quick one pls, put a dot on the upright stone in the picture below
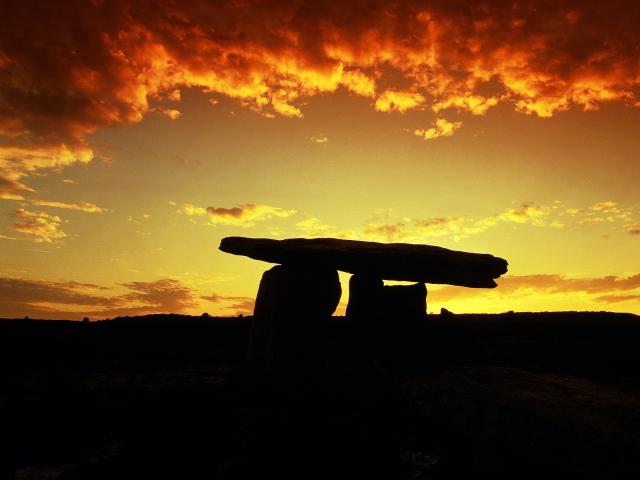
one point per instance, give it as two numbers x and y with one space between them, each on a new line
369 298
292 306
365 294
385 317
408 302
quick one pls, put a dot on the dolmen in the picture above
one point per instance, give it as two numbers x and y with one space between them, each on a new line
297 296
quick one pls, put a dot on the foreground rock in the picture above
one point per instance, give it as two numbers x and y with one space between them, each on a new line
511 420
291 309
387 261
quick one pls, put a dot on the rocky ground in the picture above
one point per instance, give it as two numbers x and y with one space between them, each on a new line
171 397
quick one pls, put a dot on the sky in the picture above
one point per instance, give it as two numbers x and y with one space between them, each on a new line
134 136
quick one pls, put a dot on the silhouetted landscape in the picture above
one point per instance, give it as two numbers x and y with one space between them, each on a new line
172 396
276 163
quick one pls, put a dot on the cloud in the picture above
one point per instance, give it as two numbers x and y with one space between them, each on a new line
74 300
41 226
525 213
415 229
551 284
110 63
138 219
618 298
320 139
239 305
601 212
391 100
22 297
441 128
312 227
382 228
633 229
10 196
475 104
81 206
192 210
161 296
172 113
18 161
245 215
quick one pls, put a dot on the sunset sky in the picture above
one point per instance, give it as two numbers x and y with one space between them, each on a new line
135 135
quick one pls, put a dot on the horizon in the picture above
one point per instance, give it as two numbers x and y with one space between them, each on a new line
134 137
207 316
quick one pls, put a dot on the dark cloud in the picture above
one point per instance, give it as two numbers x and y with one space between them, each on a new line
235 212
73 300
618 298
245 215
242 305
70 68
165 295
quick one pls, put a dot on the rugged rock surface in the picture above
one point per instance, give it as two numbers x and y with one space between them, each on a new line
388 261
292 306
506 419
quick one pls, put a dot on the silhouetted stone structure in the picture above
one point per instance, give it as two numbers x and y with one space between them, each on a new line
291 305
385 317
388 261
297 295
369 298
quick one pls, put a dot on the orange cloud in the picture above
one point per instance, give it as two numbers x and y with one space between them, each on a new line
476 104
245 215
81 206
73 300
192 210
18 161
604 287
239 305
618 298
312 227
10 196
383 227
633 229
109 63
441 128
418 230
160 296
41 226
602 212
320 139
391 100
172 113
525 213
